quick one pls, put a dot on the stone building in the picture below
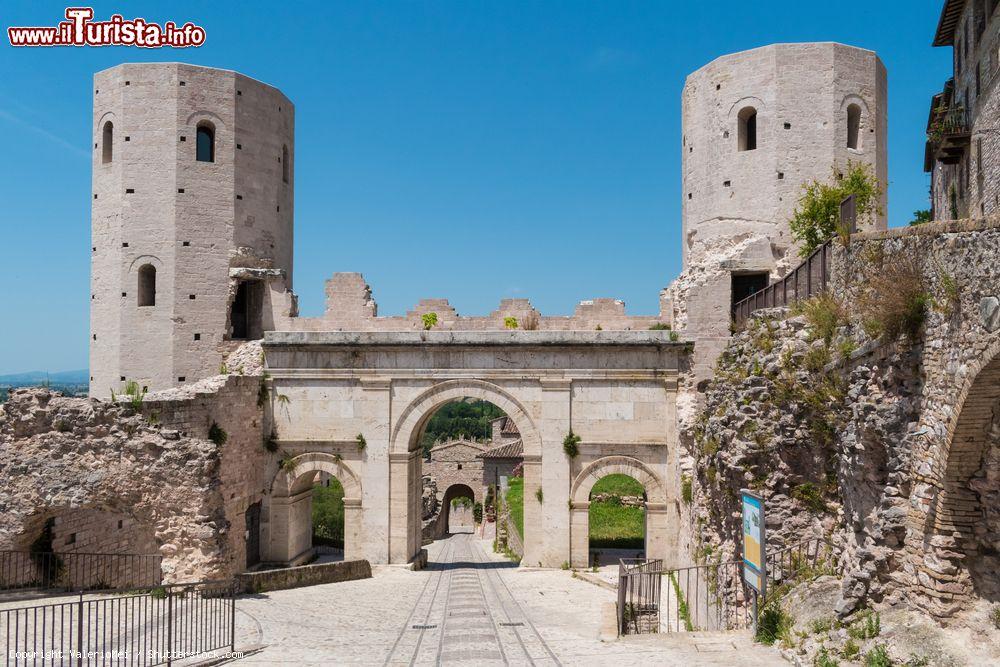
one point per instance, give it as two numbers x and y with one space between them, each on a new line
191 220
963 126
504 455
455 471
757 126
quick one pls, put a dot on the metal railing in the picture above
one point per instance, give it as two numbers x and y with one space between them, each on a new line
805 281
77 571
652 599
153 627
949 122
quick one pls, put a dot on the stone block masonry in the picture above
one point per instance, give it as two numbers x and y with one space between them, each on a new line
261 581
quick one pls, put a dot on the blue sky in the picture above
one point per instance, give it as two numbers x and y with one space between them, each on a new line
466 150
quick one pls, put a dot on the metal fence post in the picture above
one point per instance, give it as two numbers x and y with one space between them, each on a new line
79 631
232 618
170 626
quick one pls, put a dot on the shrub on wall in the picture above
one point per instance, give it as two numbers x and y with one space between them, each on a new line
817 216
571 444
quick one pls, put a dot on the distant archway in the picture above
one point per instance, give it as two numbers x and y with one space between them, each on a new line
458 516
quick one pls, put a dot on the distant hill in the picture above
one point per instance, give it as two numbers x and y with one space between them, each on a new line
33 378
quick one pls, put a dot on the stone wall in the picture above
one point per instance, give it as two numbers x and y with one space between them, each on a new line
90 464
306 575
882 445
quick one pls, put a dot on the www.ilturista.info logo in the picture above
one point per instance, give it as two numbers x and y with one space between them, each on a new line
80 30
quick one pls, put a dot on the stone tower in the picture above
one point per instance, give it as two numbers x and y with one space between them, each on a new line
191 220
757 126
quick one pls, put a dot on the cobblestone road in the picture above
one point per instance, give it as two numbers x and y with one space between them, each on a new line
468 608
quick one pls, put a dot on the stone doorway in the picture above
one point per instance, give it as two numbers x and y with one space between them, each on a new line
252 518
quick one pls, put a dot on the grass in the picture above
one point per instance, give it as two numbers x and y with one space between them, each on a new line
328 514
515 500
613 525
774 625
683 612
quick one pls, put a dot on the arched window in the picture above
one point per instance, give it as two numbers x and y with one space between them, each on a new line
747 129
284 163
853 126
147 285
205 150
107 142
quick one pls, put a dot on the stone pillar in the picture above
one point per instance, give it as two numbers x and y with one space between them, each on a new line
404 507
556 473
375 406
580 535
658 534
533 537
353 534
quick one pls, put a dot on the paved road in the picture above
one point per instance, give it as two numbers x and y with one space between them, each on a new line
470 607
466 614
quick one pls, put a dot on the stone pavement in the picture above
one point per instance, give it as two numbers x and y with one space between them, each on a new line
470 607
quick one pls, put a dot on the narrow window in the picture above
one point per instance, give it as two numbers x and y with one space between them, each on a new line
206 143
147 285
107 143
245 312
747 129
853 125
284 163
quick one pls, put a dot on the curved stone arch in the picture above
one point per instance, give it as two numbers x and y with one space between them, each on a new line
106 116
196 117
419 410
623 465
142 260
285 481
747 101
854 98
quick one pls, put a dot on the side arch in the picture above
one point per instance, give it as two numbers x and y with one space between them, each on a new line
289 508
622 465
415 415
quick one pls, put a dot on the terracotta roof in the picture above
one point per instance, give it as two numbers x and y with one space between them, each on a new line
506 425
510 450
458 441
950 14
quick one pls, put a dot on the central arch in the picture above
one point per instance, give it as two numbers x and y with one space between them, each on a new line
405 461
289 507
656 505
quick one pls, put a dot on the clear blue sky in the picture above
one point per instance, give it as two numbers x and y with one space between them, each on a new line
467 150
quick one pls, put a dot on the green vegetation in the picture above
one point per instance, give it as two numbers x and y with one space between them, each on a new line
687 493
920 217
362 443
429 320
810 495
571 444
850 650
817 216
510 322
867 626
683 612
774 625
660 326
515 501
823 659
612 524
217 435
878 657
328 514
995 616
896 298
460 419
825 313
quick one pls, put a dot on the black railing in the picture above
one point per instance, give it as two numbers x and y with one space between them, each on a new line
805 281
77 571
159 626
703 597
949 122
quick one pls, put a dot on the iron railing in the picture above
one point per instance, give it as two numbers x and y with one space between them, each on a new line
702 597
77 571
949 122
805 281
158 626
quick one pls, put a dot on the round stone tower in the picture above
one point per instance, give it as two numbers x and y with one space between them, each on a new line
757 126
191 220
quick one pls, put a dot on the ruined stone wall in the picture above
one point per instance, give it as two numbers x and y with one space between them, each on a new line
351 307
90 464
884 446
193 221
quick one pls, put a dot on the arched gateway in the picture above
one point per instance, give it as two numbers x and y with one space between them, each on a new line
363 400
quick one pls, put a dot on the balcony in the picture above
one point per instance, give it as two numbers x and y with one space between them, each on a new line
949 133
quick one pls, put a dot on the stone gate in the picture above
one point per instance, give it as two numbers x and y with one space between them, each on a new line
355 405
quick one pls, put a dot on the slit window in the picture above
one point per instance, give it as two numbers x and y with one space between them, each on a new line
853 126
205 143
147 285
284 163
747 135
107 142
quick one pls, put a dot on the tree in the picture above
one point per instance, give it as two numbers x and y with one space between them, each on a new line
920 217
817 217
